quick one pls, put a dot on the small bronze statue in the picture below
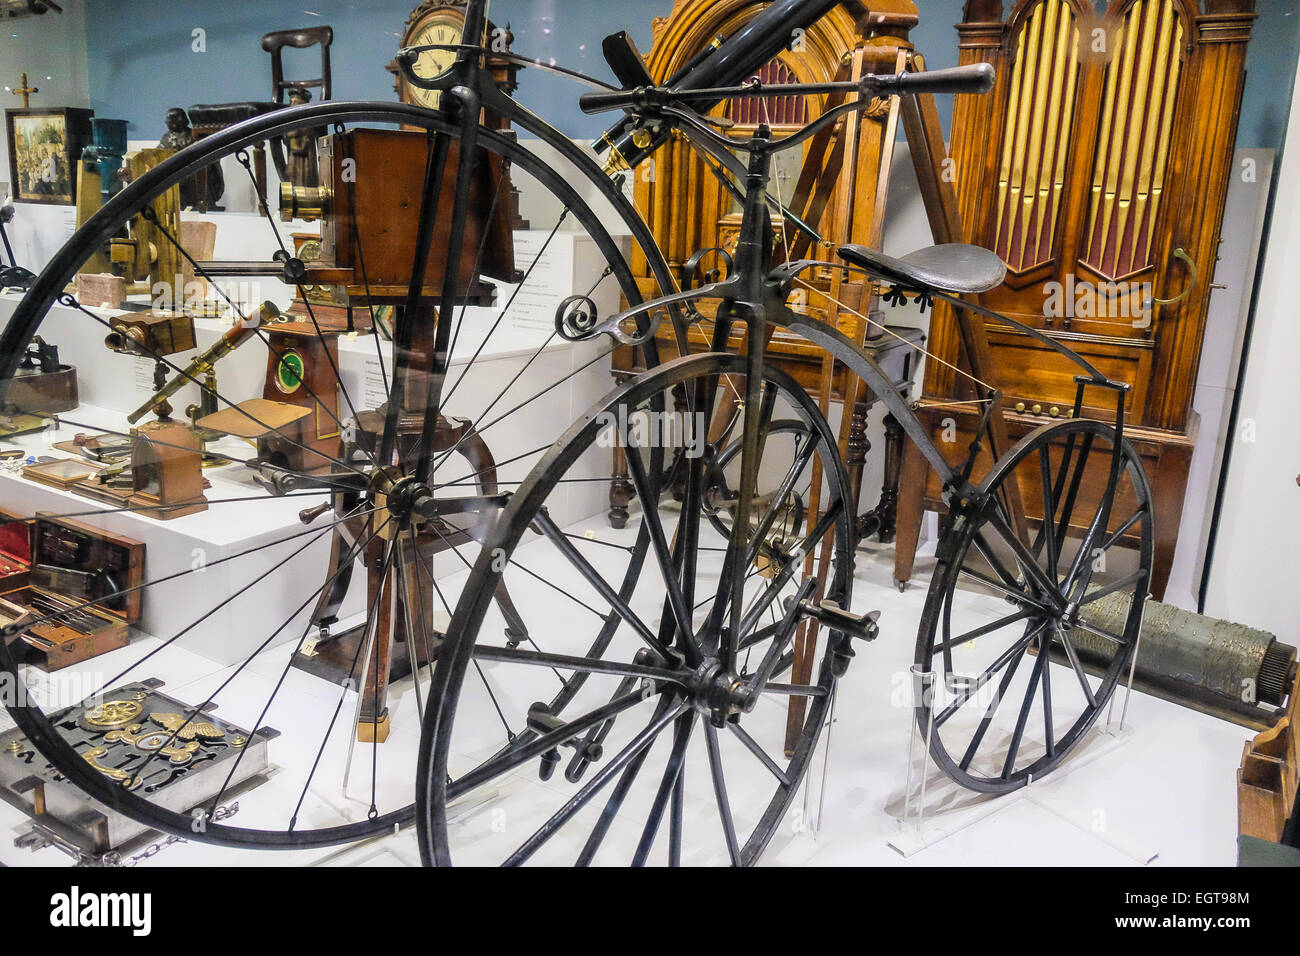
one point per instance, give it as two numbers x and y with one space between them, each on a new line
301 144
178 136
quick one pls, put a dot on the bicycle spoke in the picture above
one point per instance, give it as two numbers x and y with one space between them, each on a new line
615 802
507 655
1013 749
1044 651
1049 513
1117 585
592 576
663 554
757 750
983 629
1123 528
522 752
363 647
261 717
195 711
978 737
669 786
579 800
1077 666
206 615
973 686
720 793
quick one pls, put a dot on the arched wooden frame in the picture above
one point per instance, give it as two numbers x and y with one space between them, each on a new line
676 192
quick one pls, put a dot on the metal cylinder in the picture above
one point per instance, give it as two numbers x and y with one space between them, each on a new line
1224 669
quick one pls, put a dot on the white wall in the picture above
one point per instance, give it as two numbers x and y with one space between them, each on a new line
1255 579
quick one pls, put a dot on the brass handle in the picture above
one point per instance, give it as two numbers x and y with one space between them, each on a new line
1179 253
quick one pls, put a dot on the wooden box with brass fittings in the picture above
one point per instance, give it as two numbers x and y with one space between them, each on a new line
166 470
78 593
151 333
15 551
368 211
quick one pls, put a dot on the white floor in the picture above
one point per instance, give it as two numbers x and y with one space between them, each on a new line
1165 789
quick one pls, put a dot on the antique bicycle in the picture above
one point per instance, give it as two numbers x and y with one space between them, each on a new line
695 609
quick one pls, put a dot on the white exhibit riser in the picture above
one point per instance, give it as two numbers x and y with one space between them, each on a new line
111 385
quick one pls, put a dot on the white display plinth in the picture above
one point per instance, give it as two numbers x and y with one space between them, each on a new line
111 385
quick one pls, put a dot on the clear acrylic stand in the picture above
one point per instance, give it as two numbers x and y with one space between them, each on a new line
956 809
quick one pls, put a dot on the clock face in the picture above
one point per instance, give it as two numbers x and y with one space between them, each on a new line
443 28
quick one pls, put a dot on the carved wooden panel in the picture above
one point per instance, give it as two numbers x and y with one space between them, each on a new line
773 110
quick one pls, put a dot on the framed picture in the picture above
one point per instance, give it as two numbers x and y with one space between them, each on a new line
44 148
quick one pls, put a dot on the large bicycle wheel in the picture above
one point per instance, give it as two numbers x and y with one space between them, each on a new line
446 405
1004 606
659 684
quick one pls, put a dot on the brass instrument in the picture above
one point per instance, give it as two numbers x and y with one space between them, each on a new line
204 363
151 334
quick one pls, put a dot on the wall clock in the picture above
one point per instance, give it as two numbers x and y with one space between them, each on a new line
434 21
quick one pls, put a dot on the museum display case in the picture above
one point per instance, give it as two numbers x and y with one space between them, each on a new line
478 433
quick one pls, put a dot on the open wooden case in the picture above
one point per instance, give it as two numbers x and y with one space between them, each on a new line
15 552
70 564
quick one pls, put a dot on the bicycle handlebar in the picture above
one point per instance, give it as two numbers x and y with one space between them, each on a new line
973 78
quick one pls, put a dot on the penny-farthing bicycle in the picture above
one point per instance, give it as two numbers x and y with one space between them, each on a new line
676 746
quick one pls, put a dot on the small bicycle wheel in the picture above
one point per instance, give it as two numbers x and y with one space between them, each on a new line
1002 605
640 662
250 620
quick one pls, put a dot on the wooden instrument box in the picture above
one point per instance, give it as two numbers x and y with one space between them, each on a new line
15 552
166 471
300 370
372 200
73 563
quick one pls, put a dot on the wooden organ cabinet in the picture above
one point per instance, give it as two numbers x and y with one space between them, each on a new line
1097 169
835 183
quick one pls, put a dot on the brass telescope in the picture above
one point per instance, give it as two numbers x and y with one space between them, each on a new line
203 364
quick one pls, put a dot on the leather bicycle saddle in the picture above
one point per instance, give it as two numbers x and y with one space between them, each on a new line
953 267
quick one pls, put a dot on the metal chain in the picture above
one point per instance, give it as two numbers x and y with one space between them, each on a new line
153 849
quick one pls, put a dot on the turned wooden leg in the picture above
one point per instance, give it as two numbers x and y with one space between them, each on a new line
855 454
259 171
372 722
911 507
1168 488
621 491
887 508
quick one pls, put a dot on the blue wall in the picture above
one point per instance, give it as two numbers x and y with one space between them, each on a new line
141 61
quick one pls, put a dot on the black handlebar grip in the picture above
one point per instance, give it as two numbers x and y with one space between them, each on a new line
973 78
601 102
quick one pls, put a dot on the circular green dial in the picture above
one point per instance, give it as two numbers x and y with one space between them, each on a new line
289 373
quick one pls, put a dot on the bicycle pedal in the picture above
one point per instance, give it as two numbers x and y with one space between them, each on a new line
829 613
